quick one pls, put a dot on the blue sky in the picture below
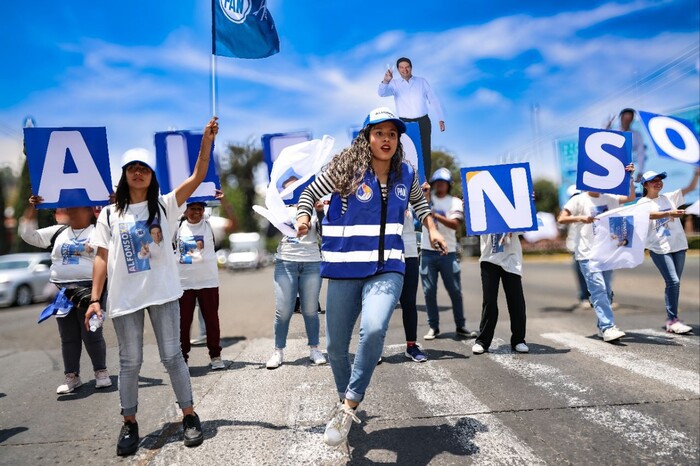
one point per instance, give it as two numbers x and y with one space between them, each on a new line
140 67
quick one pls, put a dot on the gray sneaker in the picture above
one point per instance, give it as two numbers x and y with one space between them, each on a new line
72 382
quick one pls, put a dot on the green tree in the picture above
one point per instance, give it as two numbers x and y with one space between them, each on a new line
238 164
45 217
546 196
4 239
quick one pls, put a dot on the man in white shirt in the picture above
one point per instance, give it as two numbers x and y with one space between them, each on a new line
448 213
639 155
412 97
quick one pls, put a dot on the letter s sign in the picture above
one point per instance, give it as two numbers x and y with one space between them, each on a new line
602 158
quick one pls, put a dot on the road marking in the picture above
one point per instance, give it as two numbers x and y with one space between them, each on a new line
623 358
482 435
666 337
637 428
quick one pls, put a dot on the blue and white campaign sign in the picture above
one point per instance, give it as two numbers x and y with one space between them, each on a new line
176 156
602 157
412 148
69 167
498 199
272 145
673 137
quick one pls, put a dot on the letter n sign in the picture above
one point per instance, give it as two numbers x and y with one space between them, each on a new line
602 158
498 199
68 167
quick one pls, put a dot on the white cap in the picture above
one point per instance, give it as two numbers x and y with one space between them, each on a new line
650 175
381 114
139 154
572 191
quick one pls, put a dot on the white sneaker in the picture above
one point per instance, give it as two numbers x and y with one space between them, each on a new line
217 363
200 340
275 360
102 379
339 422
432 333
317 357
584 304
611 334
72 382
521 348
676 326
478 349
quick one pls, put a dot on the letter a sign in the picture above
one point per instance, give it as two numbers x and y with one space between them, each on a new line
498 199
68 167
602 158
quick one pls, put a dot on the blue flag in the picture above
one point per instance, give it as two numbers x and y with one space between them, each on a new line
243 29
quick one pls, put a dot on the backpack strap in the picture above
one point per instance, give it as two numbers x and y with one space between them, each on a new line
55 235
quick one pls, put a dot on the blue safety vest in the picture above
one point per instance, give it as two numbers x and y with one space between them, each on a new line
366 240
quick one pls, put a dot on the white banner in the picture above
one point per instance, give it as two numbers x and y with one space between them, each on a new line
295 166
619 238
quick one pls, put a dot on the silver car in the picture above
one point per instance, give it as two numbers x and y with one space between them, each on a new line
23 277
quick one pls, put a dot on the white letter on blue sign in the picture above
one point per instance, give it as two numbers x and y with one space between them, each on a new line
658 128
594 151
517 215
179 165
87 177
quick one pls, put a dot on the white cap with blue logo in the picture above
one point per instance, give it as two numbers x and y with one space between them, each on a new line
441 174
381 114
650 175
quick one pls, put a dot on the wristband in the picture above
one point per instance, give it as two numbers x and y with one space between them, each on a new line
93 301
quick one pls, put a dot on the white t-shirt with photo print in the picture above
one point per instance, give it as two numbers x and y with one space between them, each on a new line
503 250
666 235
586 205
72 255
141 264
452 208
196 257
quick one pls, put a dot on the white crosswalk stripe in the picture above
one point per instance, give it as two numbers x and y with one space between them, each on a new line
638 429
625 358
665 337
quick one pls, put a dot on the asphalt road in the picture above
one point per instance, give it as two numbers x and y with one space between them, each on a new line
573 399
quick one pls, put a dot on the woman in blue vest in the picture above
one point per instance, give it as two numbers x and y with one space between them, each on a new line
362 252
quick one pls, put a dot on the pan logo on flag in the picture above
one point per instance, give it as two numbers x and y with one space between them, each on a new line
364 193
401 191
236 10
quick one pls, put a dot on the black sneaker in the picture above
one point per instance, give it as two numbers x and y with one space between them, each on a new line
463 332
192 430
128 441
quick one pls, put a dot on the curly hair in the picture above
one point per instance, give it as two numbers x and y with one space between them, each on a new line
348 169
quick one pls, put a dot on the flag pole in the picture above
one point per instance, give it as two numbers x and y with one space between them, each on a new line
213 84
213 58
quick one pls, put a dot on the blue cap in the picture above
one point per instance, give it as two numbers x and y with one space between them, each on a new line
441 174
381 114
650 175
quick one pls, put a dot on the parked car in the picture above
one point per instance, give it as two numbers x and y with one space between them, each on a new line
23 277
246 251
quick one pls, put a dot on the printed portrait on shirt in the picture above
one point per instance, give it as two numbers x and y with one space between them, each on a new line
661 225
72 249
622 231
141 243
497 243
191 249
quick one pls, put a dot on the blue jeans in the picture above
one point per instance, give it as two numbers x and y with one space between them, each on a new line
583 294
432 263
374 299
304 279
671 267
598 284
165 319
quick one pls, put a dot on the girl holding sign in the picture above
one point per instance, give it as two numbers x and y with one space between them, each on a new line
136 284
362 252
72 256
666 240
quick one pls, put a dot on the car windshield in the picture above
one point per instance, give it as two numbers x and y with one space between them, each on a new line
13 265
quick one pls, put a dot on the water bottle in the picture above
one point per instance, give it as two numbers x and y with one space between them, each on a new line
95 322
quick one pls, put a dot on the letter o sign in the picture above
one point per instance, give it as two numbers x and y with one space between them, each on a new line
673 137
